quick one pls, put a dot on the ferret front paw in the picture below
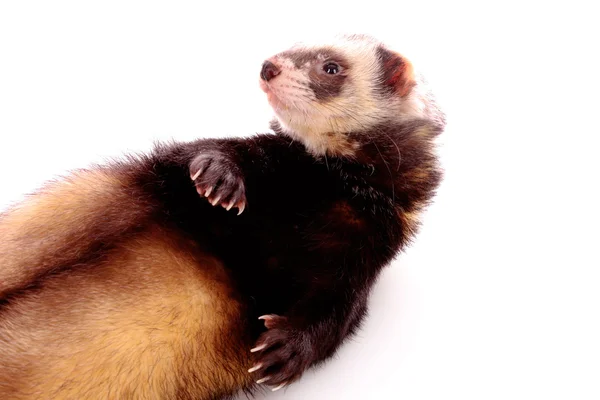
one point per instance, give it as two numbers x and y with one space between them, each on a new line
282 353
218 179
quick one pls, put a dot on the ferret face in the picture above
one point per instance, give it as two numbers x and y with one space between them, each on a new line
322 94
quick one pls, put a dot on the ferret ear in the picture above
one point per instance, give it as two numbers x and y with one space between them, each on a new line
398 73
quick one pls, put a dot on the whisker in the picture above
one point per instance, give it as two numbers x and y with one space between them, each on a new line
303 88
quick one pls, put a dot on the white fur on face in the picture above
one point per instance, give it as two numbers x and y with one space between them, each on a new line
323 125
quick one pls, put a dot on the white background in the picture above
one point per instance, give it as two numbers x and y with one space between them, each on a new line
498 298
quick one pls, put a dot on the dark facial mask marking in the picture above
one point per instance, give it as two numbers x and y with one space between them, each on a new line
324 86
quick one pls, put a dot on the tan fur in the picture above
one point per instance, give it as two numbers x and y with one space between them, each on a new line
154 309
146 314
410 220
52 227
332 144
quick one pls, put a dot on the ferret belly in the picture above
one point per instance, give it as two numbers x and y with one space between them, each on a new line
155 318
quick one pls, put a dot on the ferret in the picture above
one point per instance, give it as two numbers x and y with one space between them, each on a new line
208 268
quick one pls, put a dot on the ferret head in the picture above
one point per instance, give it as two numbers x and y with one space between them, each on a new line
322 94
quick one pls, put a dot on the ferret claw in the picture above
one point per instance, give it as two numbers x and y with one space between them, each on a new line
258 348
218 180
241 208
255 368
263 380
270 320
278 387
197 174
267 319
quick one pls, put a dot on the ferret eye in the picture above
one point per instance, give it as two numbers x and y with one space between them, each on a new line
331 68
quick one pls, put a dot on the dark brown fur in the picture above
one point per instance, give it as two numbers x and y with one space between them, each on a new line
302 56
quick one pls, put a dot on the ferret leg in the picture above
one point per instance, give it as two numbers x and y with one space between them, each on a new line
311 332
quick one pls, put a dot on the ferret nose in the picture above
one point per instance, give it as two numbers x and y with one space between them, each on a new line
269 71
